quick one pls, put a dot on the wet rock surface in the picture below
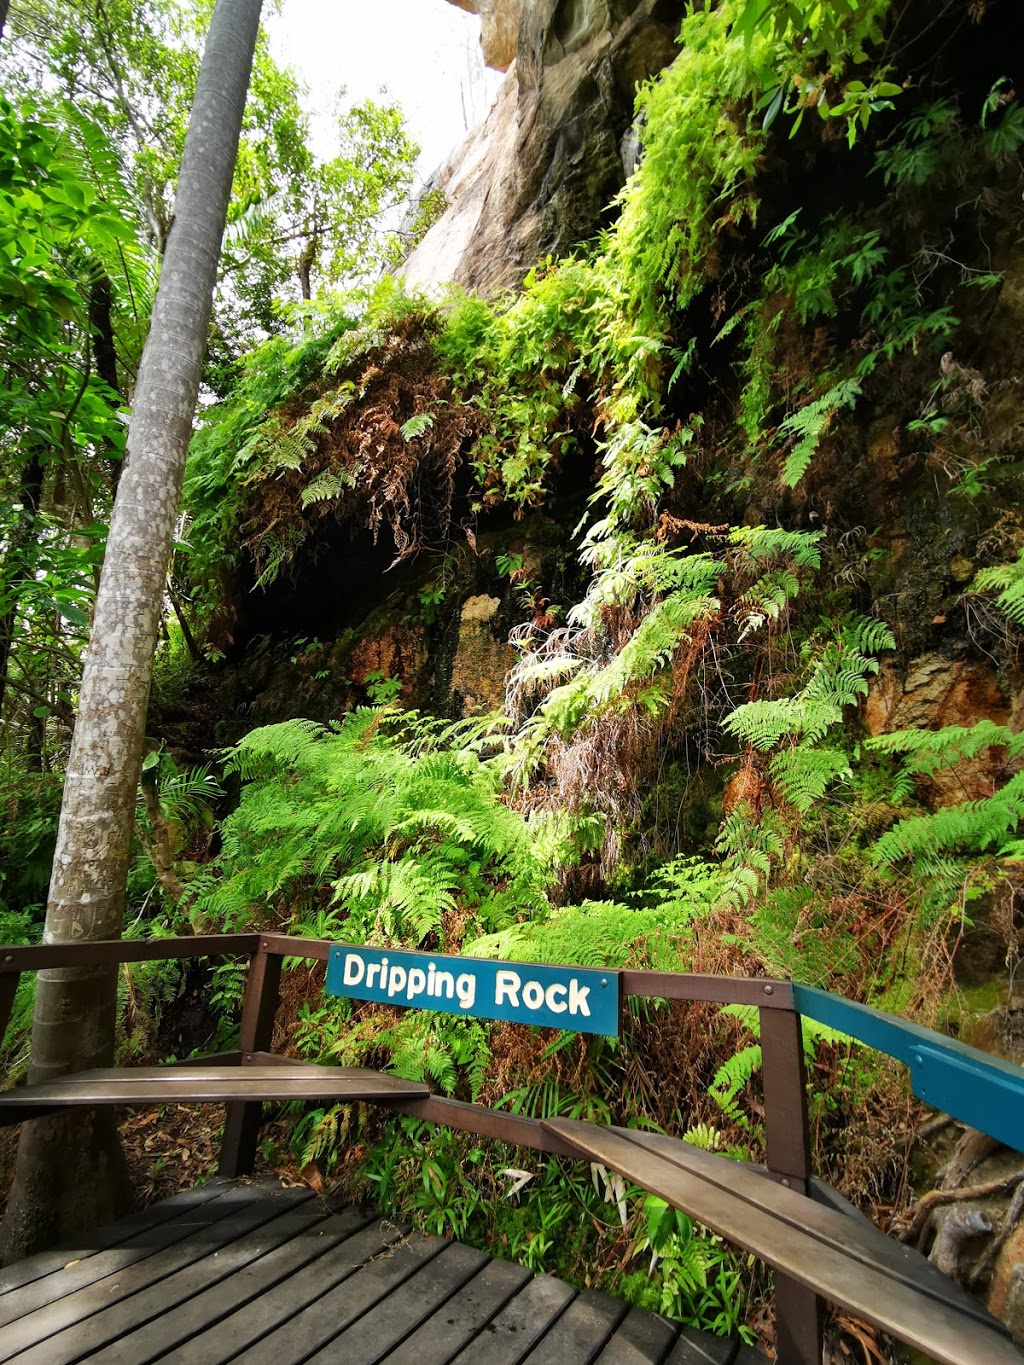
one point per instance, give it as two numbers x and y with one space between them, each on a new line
482 659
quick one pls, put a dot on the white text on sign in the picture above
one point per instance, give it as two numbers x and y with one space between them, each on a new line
407 986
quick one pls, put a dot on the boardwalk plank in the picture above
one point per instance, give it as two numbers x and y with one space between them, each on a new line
30 1334
78 1274
124 1232
519 1325
214 1301
697 1348
374 1334
208 1084
167 1300
246 1325
854 1236
266 1276
580 1332
640 1339
461 1318
331 1313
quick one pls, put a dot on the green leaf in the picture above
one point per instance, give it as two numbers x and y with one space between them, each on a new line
772 112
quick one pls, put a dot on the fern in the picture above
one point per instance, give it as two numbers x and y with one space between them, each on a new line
947 851
809 425
418 425
396 819
731 1078
929 750
804 775
328 485
1007 581
839 668
656 926
983 826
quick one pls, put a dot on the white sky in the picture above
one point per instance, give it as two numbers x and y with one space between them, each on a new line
421 54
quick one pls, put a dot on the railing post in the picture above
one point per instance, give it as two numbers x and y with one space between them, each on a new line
798 1310
259 1006
8 990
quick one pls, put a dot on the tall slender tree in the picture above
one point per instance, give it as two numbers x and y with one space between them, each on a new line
70 1171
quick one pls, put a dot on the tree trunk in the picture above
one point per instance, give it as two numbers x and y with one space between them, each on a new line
104 349
4 7
19 561
70 1172
194 652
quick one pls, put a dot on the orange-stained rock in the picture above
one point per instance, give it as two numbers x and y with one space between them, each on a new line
934 693
398 652
499 29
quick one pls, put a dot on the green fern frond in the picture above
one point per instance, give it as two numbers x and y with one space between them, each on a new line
731 1078
810 423
418 425
766 542
402 829
1007 581
929 750
328 485
803 775
986 826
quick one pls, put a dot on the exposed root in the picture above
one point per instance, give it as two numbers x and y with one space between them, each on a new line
983 1269
917 1216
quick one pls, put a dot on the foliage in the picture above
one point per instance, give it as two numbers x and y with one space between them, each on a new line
950 849
839 668
397 814
683 782
700 1283
351 423
295 220
655 927
29 806
65 250
1007 581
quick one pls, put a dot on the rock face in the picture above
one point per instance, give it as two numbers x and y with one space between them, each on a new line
539 174
482 659
499 29
934 692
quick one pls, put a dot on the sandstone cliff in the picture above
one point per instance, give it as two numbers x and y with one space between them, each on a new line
540 174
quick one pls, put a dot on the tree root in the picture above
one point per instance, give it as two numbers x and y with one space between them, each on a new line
983 1269
971 1151
916 1217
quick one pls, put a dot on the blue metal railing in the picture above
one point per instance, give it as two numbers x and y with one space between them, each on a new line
974 1087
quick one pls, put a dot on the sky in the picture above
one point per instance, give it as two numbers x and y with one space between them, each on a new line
421 54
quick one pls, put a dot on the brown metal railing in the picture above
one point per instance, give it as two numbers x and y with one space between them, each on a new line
787 1141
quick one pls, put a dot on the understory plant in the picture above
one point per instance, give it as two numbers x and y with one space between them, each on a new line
384 827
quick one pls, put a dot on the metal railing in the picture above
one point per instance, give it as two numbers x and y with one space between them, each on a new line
980 1090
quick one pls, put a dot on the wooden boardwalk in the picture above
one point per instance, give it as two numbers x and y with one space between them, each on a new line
272 1276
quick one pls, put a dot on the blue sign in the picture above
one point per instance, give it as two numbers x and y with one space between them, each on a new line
579 999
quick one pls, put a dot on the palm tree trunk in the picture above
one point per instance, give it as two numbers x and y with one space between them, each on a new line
70 1172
